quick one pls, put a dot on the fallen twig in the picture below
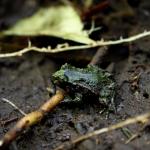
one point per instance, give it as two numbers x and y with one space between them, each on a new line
141 118
132 137
13 105
7 121
31 119
98 57
138 133
66 47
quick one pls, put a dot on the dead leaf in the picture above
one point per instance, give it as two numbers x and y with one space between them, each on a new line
60 21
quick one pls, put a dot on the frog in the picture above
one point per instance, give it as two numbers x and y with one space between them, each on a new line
86 83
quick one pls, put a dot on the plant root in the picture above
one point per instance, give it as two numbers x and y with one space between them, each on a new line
31 119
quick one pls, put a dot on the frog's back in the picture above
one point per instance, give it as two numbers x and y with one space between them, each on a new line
90 79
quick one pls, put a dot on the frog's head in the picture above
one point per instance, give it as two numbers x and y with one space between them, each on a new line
59 76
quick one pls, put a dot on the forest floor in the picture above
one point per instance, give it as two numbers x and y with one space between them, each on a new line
23 80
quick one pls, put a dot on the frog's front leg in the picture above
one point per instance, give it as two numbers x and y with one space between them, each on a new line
75 99
107 109
78 97
112 106
51 88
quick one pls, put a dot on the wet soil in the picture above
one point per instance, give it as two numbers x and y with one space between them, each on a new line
24 81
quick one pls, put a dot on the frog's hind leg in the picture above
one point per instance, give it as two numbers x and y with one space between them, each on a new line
76 99
112 105
105 111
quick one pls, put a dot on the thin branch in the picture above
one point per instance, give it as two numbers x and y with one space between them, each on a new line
7 121
132 137
66 47
13 105
99 56
141 118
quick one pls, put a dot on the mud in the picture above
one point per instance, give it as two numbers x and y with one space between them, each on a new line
24 81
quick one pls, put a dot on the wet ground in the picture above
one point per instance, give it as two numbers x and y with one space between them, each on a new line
24 81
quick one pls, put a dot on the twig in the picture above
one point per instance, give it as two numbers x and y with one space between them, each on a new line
94 9
13 105
31 119
99 56
138 133
5 122
66 47
132 137
141 118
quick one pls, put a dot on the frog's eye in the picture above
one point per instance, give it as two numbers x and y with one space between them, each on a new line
81 80
108 74
66 78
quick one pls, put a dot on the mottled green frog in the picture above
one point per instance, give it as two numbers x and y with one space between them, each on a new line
88 82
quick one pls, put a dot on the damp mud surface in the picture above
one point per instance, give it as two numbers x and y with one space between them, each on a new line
24 81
